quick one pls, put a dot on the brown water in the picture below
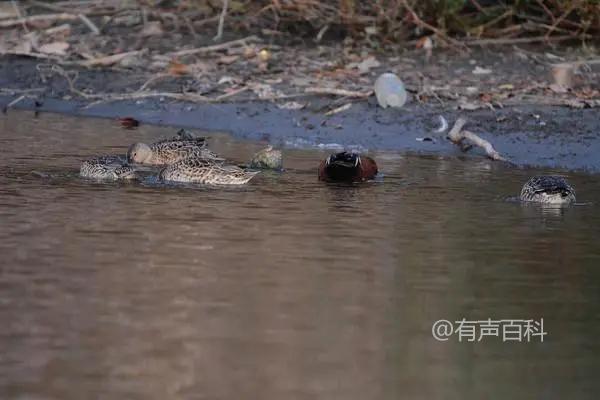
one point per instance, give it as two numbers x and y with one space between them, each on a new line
287 288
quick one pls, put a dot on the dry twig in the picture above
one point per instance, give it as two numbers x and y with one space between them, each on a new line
457 136
216 47
37 18
222 20
339 109
89 24
338 92
108 60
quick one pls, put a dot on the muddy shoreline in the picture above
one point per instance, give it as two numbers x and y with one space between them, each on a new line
546 136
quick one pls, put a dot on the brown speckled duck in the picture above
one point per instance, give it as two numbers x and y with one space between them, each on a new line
208 172
169 151
548 189
107 168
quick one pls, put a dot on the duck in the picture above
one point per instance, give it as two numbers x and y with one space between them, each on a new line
169 151
107 168
267 158
205 171
347 167
548 189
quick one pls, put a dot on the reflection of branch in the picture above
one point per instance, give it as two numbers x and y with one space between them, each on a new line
457 136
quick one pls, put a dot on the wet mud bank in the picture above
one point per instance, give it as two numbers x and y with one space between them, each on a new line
546 136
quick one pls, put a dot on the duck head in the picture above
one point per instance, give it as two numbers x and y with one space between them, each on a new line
139 153
347 167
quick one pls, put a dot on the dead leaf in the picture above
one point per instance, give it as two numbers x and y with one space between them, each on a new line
365 65
200 68
469 106
59 32
227 80
178 69
573 103
57 48
291 105
250 51
481 71
371 30
131 61
587 93
485 97
424 43
563 74
153 28
556 88
227 60
264 91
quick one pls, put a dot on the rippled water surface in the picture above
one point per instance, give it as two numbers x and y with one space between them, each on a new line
287 288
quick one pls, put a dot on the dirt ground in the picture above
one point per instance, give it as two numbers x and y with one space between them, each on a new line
295 92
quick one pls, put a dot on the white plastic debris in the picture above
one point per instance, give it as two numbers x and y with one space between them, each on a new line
390 91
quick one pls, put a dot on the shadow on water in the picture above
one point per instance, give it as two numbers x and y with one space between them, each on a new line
286 287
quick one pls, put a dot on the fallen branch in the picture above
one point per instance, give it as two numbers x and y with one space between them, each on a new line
15 101
339 109
36 18
457 136
216 47
222 20
89 24
231 94
338 92
108 60
20 91
152 80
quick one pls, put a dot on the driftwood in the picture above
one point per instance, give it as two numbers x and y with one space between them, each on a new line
458 136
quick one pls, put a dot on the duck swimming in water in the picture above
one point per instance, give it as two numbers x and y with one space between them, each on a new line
548 189
107 168
267 158
169 151
347 167
208 172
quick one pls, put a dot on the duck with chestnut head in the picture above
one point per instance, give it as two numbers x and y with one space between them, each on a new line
347 167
